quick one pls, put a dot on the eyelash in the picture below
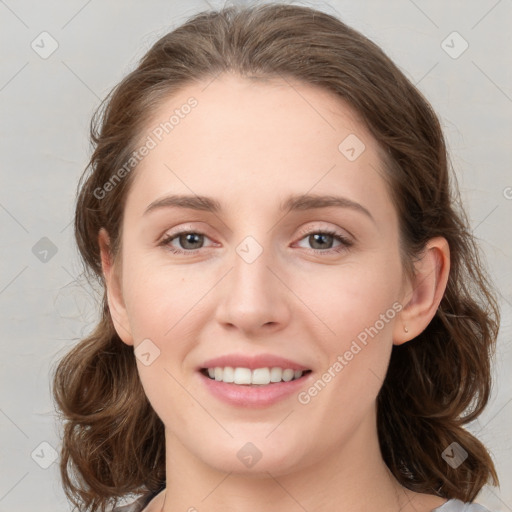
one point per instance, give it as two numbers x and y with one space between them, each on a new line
345 243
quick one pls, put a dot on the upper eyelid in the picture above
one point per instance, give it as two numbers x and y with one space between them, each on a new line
302 232
318 229
336 232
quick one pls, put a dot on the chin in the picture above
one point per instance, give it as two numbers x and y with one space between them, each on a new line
245 457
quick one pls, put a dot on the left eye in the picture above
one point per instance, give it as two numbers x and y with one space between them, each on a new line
323 241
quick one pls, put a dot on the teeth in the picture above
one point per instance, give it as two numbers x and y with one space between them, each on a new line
258 376
261 376
276 374
228 375
242 375
288 375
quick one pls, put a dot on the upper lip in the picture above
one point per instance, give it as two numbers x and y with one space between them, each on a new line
252 362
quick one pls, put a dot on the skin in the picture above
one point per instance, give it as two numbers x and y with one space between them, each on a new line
250 145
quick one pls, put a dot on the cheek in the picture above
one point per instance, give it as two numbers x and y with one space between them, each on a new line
360 314
162 307
355 298
359 306
158 299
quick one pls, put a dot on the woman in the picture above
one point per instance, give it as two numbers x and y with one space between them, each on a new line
295 314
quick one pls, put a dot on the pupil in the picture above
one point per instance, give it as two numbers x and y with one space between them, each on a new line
319 236
190 238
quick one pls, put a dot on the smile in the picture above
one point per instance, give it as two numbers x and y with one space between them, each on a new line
255 377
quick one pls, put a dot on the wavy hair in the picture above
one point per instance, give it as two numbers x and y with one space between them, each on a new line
113 441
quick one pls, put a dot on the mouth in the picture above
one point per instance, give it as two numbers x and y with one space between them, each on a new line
257 377
253 380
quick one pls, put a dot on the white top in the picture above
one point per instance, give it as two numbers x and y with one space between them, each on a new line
449 506
459 506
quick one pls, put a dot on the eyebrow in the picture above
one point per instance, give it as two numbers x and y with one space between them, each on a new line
293 203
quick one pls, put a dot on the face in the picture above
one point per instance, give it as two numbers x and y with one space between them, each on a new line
289 260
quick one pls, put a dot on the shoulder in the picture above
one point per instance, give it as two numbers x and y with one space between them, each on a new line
136 506
142 504
459 506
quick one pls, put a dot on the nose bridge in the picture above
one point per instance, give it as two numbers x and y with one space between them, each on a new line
250 296
251 278
250 272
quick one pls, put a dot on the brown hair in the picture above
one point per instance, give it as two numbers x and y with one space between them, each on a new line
113 441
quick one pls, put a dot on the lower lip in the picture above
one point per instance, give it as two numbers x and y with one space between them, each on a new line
253 396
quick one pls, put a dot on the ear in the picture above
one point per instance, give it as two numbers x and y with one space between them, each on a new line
114 290
422 297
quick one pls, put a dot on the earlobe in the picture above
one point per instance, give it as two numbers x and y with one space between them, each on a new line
421 301
113 289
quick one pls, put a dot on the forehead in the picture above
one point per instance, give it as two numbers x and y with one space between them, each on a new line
253 139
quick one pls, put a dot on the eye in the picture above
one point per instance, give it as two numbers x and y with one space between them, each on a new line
190 241
322 241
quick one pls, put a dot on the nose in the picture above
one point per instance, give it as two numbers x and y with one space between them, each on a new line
252 298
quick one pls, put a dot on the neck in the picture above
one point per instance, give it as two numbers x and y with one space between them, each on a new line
353 477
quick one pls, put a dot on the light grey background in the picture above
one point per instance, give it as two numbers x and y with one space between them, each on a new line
46 105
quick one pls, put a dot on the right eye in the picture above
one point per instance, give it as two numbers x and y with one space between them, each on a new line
190 241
